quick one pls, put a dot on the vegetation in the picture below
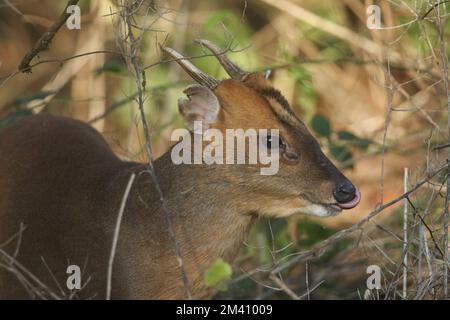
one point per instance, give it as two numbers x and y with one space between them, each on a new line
377 100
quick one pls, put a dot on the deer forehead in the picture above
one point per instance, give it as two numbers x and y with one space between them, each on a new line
244 106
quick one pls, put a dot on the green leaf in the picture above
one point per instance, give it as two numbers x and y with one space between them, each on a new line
112 66
355 141
362 144
33 96
14 116
300 74
321 125
217 274
345 135
341 152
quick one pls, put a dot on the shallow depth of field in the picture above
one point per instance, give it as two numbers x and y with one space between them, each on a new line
376 99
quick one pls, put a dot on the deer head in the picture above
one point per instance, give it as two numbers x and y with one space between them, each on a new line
306 182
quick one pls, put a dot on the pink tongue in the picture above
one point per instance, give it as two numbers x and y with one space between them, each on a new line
353 203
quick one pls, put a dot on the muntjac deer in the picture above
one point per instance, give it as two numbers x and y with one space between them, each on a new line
61 187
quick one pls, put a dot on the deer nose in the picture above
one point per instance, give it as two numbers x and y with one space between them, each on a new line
344 192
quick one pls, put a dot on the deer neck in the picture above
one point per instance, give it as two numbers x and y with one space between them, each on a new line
206 207
208 219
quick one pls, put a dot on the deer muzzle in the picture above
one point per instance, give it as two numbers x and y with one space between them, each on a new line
346 195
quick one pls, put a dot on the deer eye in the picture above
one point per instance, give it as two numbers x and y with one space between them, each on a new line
270 141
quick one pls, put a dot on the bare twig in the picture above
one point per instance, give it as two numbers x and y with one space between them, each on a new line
116 235
405 234
28 279
432 8
310 290
11 75
307 280
390 97
445 74
284 287
130 46
43 43
320 248
132 97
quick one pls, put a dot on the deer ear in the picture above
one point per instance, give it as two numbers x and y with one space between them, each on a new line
201 105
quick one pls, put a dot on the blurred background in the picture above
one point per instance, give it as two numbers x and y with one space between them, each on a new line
375 98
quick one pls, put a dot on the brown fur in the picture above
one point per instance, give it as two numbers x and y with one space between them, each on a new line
61 180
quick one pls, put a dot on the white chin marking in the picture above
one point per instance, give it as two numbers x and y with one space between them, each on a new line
312 209
320 210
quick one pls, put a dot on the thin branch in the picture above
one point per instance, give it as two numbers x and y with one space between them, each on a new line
320 248
445 74
432 8
116 235
405 234
7 77
131 44
23 273
132 97
284 287
44 42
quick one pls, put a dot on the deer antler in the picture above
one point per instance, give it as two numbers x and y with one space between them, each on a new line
233 70
192 70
